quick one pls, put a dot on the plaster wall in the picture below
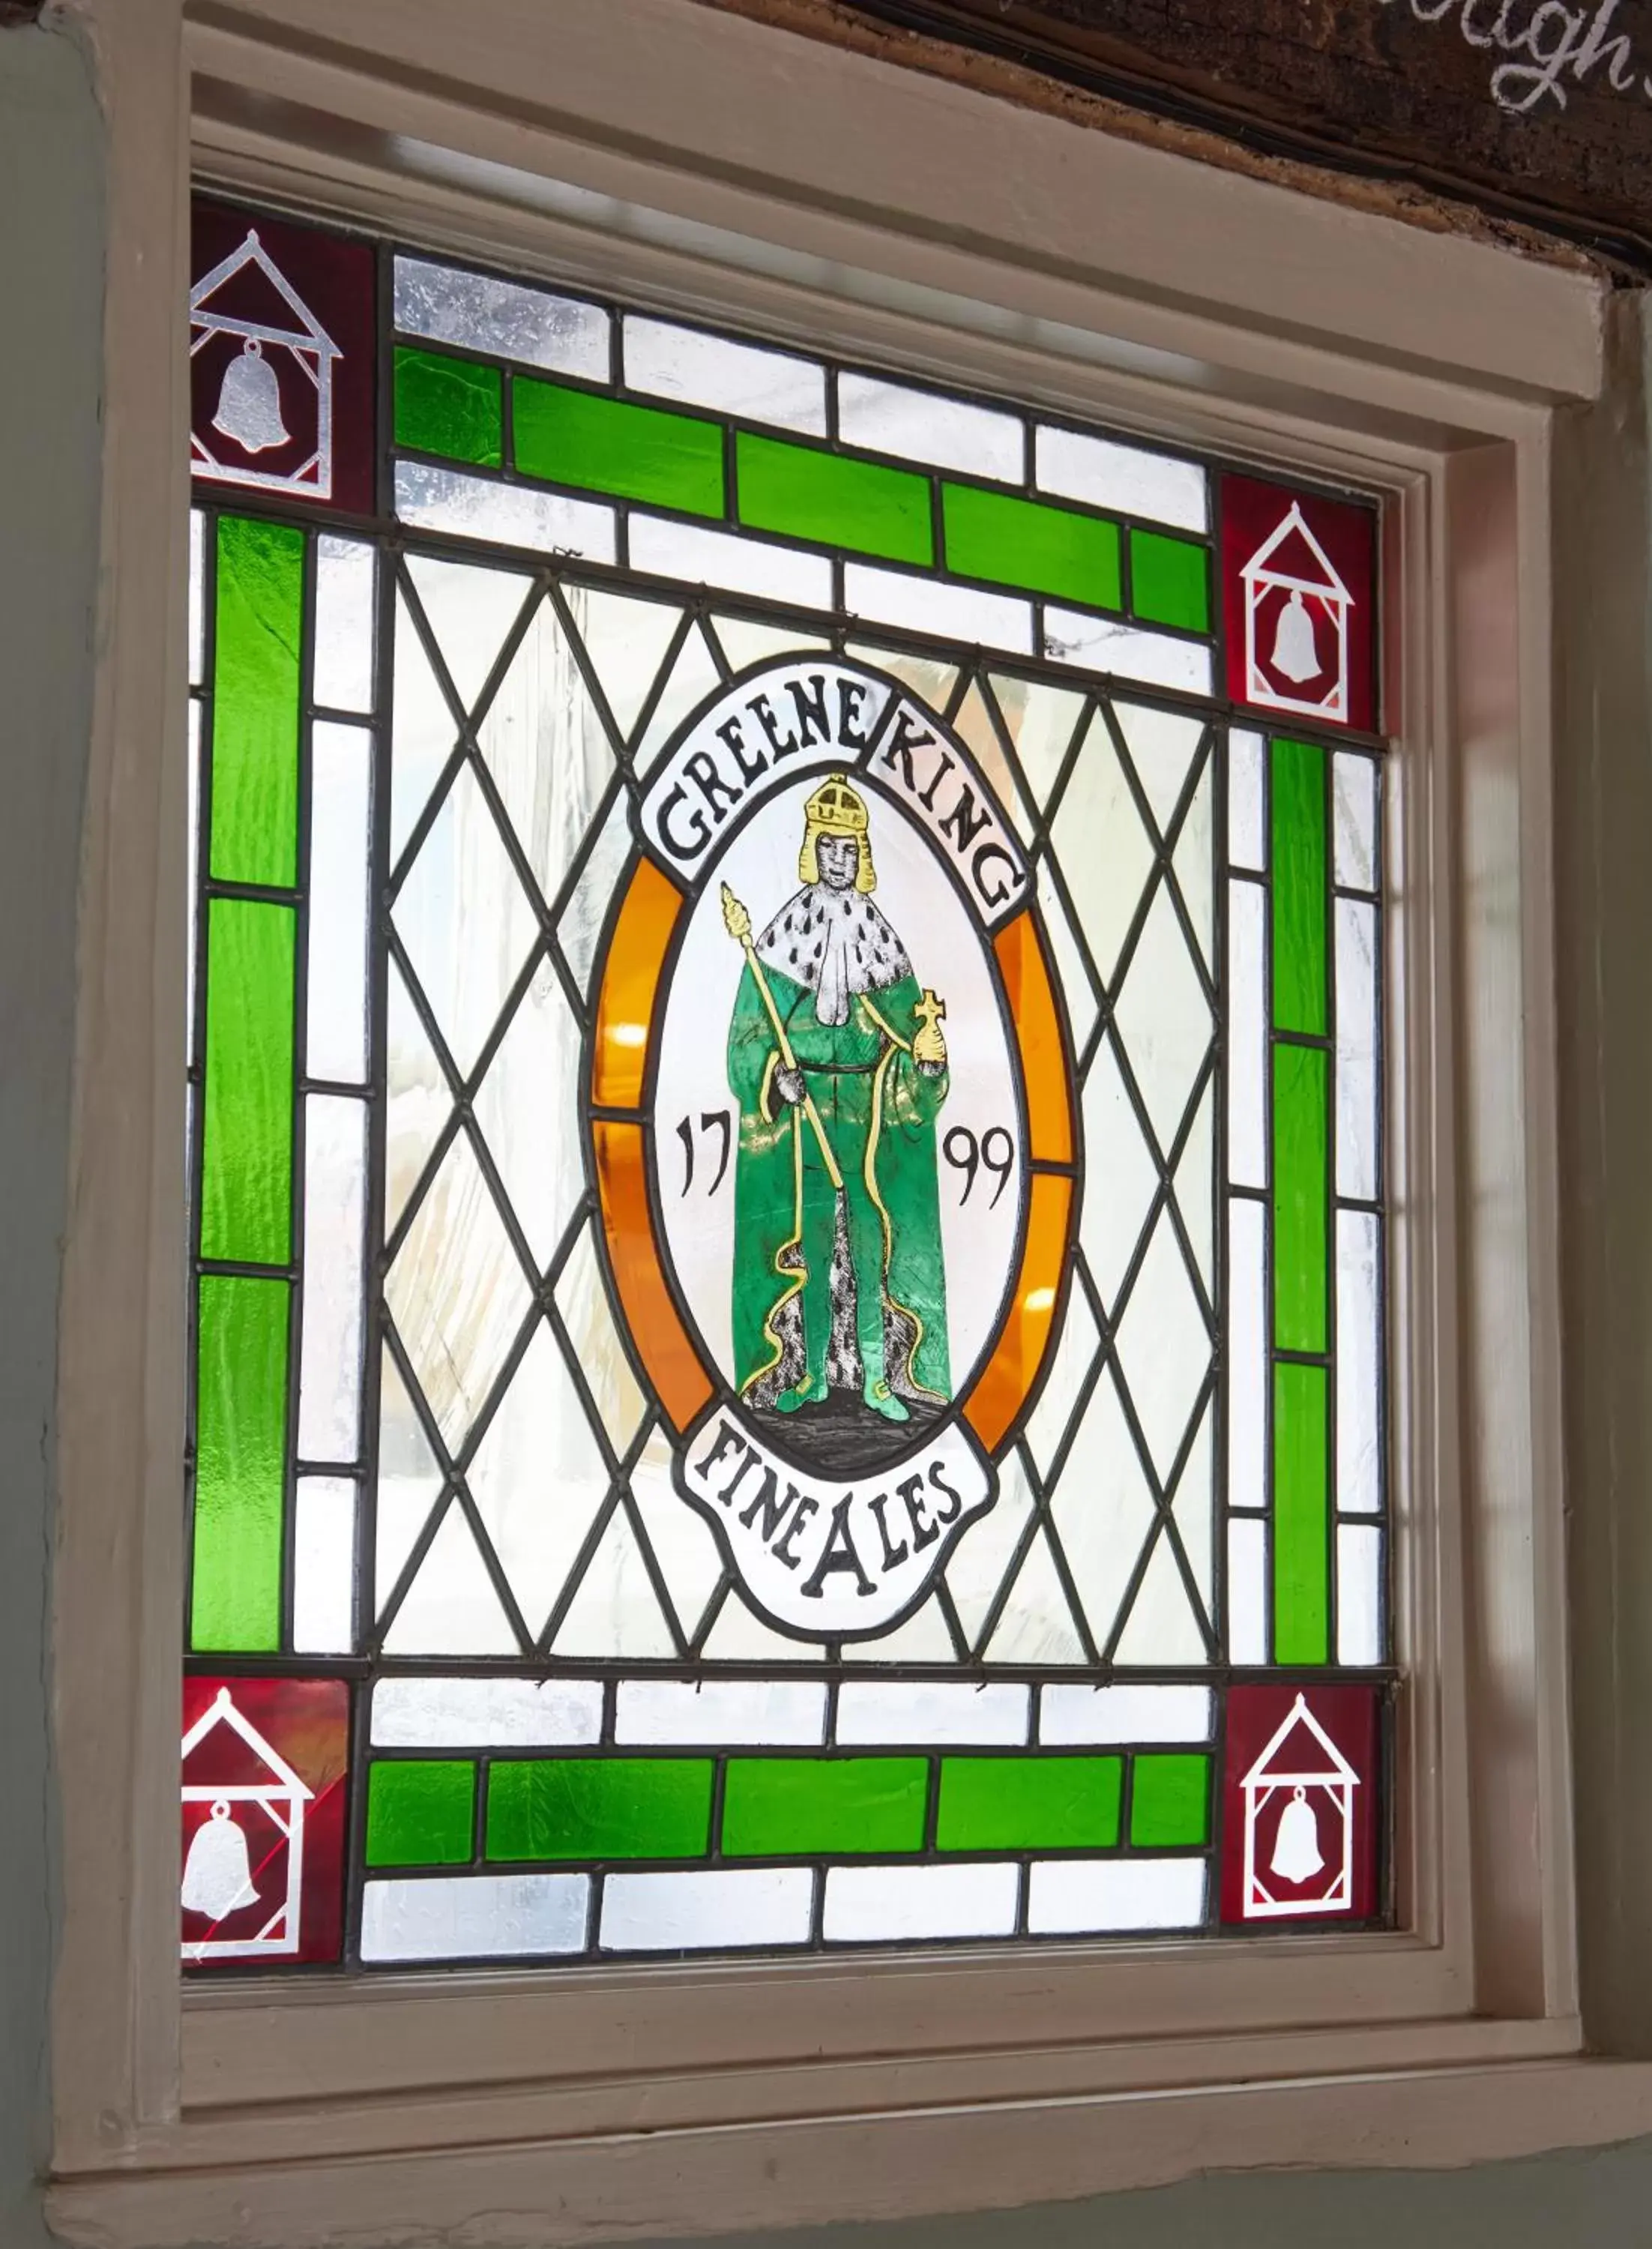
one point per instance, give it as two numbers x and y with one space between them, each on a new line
51 248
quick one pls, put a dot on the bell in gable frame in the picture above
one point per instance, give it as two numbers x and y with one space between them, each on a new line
217 1878
1293 651
1297 1856
250 402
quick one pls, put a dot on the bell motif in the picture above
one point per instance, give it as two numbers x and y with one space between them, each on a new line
217 1877
1296 1847
250 403
1293 651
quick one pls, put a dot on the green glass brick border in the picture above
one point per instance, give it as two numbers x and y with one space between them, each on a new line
241 1376
1301 1263
248 911
488 413
605 1806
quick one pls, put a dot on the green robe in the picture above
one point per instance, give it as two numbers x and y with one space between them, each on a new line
878 1109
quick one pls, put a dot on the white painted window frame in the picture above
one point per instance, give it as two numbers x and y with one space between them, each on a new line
688 157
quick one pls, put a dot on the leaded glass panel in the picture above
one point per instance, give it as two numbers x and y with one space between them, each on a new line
786 1150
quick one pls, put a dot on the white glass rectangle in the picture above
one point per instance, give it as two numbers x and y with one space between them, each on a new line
1356 1033
743 380
877 1711
512 515
718 557
324 1565
1247 1354
1353 802
1125 478
1074 1897
1247 1590
501 318
873 1904
923 425
335 1183
197 597
894 597
1127 651
336 979
1359 1593
475 1916
486 1713
1359 1442
1247 1035
718 1711
344 628
1247 801
688 1912
1076 1714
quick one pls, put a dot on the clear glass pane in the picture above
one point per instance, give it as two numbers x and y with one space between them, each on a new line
431 498
485 1713
336 982
703 369
503 317
1359 1443
342 674
960 613
335 1194
1069 1898
1247 1035
884 1904
740 1908
1247 1355
324 1566
1359 1590
1101 644
697 557
1247 801
474 1917
1354 809
926 425
1128 479
1356 1049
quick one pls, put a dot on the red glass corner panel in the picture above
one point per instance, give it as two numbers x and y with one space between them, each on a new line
1300 1778
282 341
262 1870
1299 603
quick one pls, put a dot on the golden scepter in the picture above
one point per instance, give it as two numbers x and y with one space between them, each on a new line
737 922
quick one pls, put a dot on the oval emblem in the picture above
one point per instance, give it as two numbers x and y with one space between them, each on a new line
832 1135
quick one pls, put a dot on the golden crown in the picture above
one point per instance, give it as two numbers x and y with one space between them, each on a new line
834 809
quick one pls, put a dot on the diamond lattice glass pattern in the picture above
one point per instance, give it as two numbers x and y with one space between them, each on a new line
793 1282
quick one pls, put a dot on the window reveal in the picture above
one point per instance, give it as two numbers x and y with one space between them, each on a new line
786 1149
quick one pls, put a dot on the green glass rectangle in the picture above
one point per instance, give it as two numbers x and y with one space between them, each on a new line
1301 1515
1300 898
1170 1800
1030 1803
776 1806
810 494
240 1476
259 641
246 1134
1021 542
607 445
449 406
599 1808
1301 1189
1169 581
421 1811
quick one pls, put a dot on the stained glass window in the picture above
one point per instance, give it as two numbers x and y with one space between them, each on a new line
787 1027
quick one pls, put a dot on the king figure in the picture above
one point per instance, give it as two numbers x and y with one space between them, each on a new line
837 1057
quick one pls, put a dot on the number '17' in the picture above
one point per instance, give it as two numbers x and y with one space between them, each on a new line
711 1121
